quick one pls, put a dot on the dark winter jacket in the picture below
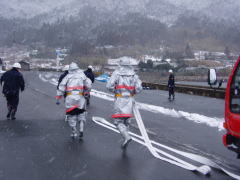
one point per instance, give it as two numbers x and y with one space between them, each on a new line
13 82
61 77
171 81
89 74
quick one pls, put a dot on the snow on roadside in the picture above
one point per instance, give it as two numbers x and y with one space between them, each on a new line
42 78
194 117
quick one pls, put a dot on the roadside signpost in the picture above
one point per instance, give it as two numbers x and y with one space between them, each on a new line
61 54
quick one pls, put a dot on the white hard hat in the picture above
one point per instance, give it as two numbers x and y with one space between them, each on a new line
17 65
90 67
125 62
65 68
170 71
73 66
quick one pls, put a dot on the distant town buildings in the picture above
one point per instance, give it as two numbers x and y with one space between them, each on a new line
146 58
220 56
200 55
34 52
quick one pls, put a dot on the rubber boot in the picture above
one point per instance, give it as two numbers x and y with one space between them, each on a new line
13 114
238 156
81 119
72 121
9 113
74 133
124 132
80 136
125 143
88 101
66 118
169 95
81 130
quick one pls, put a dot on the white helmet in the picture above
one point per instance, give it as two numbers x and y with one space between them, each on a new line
125 62
17 65
65 68
73 66
90 67
170 71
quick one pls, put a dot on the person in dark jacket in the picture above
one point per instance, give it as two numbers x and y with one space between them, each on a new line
12 82
171 85
89 73
65 73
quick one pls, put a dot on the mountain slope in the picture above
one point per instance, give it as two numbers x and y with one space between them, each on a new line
120 22
164 10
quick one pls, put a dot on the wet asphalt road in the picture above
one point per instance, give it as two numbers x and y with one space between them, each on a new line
37 145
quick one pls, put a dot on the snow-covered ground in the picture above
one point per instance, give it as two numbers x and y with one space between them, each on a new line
133 62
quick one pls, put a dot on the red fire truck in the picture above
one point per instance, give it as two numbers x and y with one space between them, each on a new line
232 111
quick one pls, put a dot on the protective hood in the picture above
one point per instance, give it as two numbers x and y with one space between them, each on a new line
73 67
125 70
65 68
124 61
124 83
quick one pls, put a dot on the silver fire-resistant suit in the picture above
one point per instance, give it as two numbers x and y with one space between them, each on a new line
74 85
124 83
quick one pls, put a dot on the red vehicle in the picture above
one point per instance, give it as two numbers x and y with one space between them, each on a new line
232 111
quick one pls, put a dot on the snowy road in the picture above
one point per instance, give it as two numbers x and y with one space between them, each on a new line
37 146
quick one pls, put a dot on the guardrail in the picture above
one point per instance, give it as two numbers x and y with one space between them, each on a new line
190 89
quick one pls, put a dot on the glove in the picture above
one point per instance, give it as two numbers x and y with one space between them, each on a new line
57 103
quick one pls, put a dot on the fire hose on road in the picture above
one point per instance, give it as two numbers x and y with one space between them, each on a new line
144 140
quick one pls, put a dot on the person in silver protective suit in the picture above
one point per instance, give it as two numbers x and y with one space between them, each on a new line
74 85
65 73
124 83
